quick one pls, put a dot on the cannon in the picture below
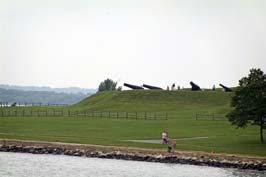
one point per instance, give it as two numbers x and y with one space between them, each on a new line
14 104
226 89
194 87
152 87
134 87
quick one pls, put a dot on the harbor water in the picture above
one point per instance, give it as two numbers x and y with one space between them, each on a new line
32 165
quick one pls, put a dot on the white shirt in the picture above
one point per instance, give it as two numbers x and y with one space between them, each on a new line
164 135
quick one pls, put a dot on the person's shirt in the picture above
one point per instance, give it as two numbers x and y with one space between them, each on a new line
164 135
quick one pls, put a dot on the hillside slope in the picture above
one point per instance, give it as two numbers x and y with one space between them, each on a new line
159 101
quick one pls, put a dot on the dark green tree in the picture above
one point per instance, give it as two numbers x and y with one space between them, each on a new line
107 85
249 102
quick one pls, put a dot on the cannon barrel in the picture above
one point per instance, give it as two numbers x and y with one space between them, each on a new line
151 87
226 89
134 87
194 87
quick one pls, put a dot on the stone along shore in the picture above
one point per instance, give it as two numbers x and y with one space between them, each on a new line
137 154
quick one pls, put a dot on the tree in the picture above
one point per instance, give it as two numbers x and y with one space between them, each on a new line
107 85
249 102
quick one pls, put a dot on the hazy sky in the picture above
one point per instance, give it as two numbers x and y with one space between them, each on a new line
62 43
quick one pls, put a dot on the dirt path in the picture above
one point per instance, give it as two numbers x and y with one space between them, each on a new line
159 141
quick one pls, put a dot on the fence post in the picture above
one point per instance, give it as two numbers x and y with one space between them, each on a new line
166 116
145 115
127 115
136 115
196 116
212 116
117 115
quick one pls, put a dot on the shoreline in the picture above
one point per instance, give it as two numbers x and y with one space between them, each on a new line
136 154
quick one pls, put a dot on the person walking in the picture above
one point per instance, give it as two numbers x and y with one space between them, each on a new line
164 137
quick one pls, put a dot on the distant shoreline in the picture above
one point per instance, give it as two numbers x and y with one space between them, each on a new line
137 154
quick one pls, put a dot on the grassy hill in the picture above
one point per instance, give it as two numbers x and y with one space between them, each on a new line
174 102
198 135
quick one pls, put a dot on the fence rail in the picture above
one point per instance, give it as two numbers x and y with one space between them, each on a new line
25 104
210 116
8 112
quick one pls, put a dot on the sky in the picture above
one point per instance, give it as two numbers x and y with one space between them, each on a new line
63 43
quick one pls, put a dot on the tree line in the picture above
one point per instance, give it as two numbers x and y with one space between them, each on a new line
12 95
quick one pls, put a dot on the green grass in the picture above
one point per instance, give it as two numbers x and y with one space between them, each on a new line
177 104
181 106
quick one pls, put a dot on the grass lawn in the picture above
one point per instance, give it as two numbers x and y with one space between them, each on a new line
222 137
181 106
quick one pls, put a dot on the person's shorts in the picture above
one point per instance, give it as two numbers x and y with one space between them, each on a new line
165 141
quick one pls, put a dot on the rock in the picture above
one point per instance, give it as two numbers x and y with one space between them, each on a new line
50 150
76 154
69 152
263 167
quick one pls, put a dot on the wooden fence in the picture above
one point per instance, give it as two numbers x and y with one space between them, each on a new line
23 104
82 113
210 116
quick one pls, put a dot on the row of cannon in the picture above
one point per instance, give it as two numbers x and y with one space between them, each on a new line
194 87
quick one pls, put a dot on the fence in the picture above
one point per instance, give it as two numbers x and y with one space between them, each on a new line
22 104
210 116
82 113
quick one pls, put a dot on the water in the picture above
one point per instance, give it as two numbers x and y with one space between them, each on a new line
32 165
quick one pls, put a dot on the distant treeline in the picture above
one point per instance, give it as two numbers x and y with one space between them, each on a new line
49 89
12 95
